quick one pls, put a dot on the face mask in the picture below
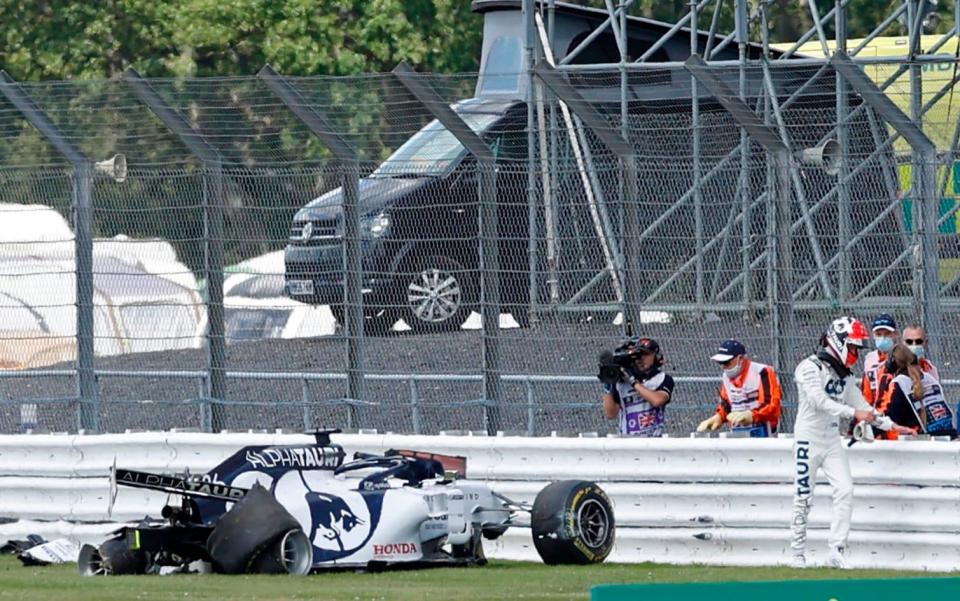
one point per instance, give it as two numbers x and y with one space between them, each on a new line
883 344
734 371
917 350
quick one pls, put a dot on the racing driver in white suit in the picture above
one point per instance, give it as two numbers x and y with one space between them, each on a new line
828 391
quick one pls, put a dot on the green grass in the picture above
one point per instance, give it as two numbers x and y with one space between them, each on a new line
499 580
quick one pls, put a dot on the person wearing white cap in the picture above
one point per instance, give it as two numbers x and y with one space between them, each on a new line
749 394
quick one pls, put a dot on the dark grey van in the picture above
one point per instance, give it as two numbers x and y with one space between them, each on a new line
419 227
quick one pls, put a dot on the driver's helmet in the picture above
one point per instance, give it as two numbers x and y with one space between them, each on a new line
844 338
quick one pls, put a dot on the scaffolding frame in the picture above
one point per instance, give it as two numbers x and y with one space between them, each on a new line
921 247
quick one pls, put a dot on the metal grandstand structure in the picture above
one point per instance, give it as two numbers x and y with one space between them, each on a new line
830 283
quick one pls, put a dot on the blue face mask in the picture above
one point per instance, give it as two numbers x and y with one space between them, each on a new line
883 343
917 350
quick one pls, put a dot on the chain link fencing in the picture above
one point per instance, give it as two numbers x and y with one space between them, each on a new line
236 186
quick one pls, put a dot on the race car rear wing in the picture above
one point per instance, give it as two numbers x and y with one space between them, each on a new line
177 485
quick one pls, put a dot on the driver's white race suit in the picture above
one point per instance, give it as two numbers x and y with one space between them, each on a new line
825 396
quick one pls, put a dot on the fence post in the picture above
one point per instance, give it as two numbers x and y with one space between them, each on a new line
305 399
779 152
844 229
531 409
488 228
353 281
83 244
320 126
783 318
415 406
206 419
530 58
213 234
627 154
925 193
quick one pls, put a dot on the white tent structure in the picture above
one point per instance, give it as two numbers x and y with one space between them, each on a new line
144 298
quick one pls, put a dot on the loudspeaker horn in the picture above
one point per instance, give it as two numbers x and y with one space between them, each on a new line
115 167
826 156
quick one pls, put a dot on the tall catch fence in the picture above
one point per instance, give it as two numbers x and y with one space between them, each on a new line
284 252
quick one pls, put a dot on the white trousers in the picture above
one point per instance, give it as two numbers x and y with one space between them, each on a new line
809 458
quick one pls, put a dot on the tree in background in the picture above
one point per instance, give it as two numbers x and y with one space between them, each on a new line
58 39
47 39
274 165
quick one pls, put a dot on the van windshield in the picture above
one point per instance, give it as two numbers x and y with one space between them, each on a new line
433 149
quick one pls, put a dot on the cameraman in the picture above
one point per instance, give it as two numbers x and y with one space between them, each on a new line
635 389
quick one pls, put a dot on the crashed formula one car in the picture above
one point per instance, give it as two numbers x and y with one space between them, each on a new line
299 508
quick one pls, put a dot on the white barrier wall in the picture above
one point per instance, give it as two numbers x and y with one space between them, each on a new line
696 500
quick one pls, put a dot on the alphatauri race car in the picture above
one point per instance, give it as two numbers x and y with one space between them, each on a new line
300 508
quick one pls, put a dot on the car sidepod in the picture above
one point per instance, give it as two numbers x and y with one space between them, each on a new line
340 521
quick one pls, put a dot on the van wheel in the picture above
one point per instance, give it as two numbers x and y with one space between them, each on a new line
439 294
378 320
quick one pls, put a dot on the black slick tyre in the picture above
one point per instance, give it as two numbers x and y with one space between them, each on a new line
253 524
572 523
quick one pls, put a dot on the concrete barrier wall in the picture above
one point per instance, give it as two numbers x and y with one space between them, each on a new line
696 500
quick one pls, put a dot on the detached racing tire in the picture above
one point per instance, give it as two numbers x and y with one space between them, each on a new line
572 523
253 524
